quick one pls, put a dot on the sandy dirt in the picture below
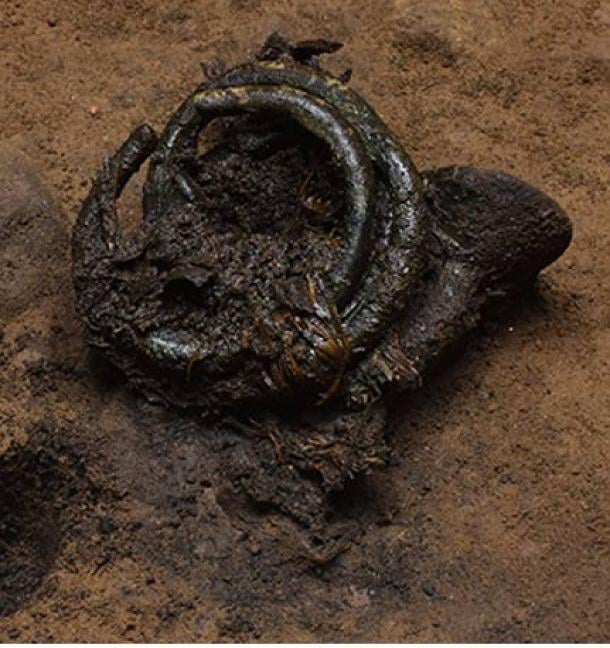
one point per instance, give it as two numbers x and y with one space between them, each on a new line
492 521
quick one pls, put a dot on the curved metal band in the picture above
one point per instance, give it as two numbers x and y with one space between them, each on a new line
320 119
317 117
369 295
394 273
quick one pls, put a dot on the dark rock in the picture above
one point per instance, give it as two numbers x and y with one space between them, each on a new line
33 235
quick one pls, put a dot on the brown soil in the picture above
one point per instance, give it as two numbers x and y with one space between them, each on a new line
492 522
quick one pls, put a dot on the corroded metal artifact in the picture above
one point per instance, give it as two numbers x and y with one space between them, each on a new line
291 258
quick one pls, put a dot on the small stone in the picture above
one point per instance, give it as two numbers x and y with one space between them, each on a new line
34 238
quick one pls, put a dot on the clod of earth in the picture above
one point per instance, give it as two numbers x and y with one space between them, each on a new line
292 262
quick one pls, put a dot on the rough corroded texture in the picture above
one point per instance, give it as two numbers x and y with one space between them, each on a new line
342 285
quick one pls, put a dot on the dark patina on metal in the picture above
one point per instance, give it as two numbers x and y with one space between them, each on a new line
292 264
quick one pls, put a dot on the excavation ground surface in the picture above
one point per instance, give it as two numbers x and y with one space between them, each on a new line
491 521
